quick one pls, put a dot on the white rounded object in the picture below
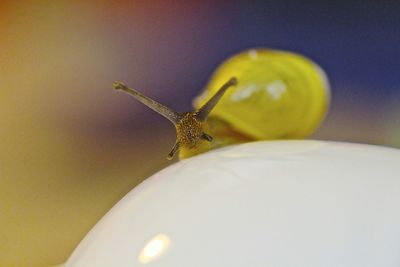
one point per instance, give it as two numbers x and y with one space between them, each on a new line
278 203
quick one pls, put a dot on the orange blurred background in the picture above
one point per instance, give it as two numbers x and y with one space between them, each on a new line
71 146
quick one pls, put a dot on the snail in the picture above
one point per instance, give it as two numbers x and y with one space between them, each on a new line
257 94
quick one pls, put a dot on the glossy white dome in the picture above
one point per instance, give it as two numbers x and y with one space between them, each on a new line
279 203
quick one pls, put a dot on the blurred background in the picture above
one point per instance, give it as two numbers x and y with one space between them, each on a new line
71 147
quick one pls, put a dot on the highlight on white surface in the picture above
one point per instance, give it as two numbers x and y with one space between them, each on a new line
154 248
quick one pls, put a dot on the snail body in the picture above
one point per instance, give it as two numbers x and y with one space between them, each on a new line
267 94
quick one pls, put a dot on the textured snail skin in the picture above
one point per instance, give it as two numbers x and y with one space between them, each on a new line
271 203
280 95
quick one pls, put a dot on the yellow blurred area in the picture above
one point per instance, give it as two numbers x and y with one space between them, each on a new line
60 169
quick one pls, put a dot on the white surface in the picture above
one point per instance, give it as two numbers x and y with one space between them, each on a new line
285 203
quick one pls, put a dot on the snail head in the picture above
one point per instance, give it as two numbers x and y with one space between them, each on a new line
189 125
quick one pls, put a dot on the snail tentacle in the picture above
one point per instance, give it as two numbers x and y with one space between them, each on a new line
203 112
173 151
207 137
168 113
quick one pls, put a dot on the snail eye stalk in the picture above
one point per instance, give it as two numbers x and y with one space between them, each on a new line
203 112
189 125
168 113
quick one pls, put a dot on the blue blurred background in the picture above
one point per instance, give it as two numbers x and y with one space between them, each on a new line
72 147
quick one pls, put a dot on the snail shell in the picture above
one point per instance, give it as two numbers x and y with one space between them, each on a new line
279 94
